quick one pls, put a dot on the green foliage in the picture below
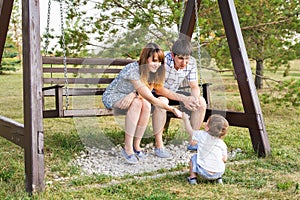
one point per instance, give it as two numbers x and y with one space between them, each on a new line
5 175
285 185
285 93
10 60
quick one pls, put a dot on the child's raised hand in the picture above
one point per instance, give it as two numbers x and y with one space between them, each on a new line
185 116
177 112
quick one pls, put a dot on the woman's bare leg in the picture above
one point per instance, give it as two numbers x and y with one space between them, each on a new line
131 121
142 124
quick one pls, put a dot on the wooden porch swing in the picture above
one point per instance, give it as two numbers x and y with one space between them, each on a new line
60 87
252 118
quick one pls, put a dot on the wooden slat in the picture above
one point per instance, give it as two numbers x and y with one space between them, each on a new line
81 70
77 92
12 131
78 113
87 61
78 80
88 112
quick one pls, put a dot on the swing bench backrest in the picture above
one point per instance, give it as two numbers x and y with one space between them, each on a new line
85 77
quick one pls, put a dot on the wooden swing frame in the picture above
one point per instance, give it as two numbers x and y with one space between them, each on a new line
30 135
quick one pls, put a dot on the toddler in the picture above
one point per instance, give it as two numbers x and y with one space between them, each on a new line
209 162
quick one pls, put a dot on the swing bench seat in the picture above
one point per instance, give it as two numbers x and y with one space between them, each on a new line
86 77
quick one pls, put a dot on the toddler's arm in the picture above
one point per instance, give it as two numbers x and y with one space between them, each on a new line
187 124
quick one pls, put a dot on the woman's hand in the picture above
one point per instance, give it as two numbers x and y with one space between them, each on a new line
177 112
126 101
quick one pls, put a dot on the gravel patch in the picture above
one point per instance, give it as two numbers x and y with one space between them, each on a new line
97 161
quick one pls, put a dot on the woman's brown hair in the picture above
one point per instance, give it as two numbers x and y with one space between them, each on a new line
156 79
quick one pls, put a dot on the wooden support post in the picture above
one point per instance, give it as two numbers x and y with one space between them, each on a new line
32 90
5 13
189 20
244 76
252 118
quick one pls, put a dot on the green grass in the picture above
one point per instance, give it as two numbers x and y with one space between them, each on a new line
246 176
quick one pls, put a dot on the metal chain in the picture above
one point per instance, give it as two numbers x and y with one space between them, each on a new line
48 28
64 52
198 44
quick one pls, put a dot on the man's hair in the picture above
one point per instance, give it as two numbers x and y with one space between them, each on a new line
182 47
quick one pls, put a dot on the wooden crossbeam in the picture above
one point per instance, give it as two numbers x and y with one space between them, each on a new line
12 131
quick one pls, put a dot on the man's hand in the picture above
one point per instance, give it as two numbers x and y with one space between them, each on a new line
191 103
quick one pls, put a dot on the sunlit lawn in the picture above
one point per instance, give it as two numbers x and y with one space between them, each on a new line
246 177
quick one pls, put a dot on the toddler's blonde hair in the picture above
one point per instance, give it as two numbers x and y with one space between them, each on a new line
217 125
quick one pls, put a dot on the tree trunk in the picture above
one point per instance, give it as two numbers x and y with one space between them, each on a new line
259 74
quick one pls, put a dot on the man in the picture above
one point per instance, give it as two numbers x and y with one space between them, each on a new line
179 66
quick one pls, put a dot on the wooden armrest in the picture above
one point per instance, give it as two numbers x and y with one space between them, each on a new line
58 94
52 87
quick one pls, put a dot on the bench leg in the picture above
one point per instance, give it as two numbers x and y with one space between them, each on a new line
59 101
206 93
167 123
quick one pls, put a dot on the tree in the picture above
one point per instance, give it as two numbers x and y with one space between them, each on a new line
111 20
15 27
269 27
10 56
12 49
270 37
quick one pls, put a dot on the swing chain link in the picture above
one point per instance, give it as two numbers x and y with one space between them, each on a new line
198 45
64 53
48 28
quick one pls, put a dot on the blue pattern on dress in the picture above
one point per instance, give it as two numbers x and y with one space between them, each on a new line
121 86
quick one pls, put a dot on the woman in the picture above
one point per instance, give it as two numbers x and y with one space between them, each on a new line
131 91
